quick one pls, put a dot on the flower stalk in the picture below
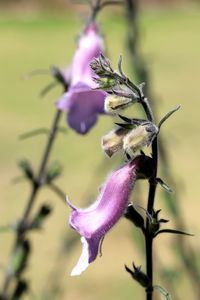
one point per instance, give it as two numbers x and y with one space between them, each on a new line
37 184
141 133
150 205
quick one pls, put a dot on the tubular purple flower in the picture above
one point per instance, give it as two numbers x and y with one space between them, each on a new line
94 222
81 102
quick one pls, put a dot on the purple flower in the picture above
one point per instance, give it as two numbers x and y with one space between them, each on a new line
94 222
81 102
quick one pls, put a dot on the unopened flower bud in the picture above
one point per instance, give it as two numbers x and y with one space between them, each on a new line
113 141
104 83
114 103
101 66
140 137
139 276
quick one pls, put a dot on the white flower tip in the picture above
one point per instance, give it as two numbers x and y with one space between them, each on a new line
82 263
108 105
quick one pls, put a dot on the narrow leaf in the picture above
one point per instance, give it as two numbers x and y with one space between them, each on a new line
26 168
57 190
62 130
35 73
173 231
164 185
54 171
40 216
163 292
48 88
163 221
33 133
168 115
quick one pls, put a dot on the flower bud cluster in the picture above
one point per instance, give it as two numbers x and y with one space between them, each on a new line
129 139
113 82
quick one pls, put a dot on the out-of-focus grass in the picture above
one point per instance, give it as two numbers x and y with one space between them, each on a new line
170 41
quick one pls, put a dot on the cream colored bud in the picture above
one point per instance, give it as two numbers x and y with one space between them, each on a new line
114 103
113 141
139 137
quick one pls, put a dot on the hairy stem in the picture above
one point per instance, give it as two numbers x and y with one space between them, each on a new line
41 173
132 10
141 72
36 185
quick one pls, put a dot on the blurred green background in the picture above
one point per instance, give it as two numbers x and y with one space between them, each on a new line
32 38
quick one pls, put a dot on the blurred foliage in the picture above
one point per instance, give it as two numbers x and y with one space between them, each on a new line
60 4
44 40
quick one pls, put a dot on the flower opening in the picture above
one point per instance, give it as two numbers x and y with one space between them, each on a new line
94 222
81 102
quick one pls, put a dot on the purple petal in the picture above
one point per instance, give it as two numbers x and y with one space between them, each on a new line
81 102
65 101
95 221
83 106
90 46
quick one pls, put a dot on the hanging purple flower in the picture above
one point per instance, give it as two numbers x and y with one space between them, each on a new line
81 102
94 222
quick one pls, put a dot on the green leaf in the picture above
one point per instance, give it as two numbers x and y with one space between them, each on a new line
48 88
168 115
173 231
163 292
19 257
40 216
171 203
54 171
26 168
164 185
33 133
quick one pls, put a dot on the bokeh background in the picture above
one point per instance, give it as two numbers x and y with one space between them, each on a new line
38 34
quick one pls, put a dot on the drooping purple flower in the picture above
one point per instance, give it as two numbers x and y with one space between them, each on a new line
81 102
94 222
